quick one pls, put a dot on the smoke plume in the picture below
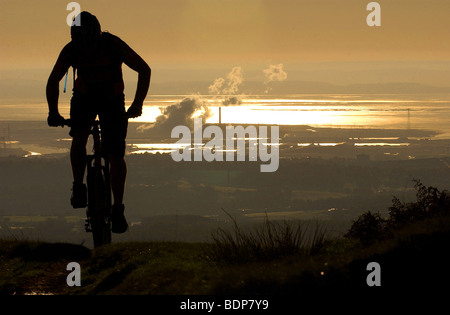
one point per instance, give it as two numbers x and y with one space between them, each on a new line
181 113
228 86
273 73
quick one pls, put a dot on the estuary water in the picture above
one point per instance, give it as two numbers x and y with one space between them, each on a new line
342 110
385 111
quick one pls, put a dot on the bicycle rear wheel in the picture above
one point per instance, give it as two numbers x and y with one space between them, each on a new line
99 207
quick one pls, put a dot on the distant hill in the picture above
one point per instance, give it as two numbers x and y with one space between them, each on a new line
26 90
301 87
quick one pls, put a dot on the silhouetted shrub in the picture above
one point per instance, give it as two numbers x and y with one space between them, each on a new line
368 228
430 202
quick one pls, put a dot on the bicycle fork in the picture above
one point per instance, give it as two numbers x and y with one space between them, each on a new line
99 187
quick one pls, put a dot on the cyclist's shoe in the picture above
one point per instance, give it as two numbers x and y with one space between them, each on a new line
119 223
79 196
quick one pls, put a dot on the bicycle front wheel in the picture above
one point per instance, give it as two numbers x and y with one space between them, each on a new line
99 209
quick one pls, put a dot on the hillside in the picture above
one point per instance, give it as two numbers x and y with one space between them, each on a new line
280 265
415 259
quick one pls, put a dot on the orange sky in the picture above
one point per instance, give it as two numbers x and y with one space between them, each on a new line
201 40
208 32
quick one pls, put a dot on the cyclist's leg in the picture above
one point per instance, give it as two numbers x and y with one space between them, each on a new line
81 116
118 169
114 131
78 162
78 153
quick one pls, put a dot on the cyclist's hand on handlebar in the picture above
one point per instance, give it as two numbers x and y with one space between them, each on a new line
134 111
55 120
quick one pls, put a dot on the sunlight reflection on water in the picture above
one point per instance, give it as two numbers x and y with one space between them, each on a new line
431 112
379 111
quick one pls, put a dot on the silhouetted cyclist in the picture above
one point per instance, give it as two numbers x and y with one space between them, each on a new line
97 58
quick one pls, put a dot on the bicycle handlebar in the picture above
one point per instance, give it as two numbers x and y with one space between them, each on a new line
68 122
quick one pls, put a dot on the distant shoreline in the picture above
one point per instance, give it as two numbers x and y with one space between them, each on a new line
33 138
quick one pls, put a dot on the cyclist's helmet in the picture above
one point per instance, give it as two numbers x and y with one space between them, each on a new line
85 36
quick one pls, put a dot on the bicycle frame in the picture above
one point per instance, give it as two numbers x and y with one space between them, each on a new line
98 188
99 191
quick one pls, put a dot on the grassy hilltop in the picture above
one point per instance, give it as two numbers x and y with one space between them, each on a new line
410 245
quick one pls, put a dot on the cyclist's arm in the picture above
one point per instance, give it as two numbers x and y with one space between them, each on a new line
135 62
58 72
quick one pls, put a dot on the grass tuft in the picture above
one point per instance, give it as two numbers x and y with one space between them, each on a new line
269 241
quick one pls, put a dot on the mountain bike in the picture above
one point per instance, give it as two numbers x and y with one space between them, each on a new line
98 181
